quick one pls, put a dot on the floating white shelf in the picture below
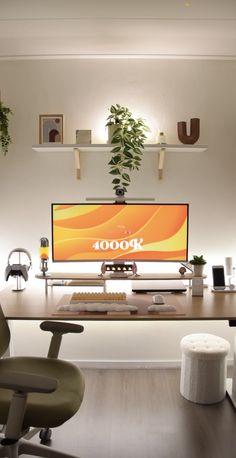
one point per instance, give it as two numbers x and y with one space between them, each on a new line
160 149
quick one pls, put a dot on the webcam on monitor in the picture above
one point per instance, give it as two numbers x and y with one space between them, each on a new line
120 195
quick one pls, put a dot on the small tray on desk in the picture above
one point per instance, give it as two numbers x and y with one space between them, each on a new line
226 290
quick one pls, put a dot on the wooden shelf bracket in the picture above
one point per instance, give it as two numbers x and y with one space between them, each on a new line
77 162
161 157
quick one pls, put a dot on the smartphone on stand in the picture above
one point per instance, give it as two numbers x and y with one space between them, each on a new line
218 274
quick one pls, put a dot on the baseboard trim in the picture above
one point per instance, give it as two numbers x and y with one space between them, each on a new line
137 364
118 364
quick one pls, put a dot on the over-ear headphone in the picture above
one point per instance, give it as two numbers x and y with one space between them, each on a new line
20 270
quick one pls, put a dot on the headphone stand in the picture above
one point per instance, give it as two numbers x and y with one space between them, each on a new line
19 286
19 270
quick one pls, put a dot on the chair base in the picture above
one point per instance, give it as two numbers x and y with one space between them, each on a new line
23 446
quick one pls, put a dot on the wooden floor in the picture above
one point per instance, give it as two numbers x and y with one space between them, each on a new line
140 414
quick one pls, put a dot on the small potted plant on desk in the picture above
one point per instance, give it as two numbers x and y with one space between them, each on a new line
198 263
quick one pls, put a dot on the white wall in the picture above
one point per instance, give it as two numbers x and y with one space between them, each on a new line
161 91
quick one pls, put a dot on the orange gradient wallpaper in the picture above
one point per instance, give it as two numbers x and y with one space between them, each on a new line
128 232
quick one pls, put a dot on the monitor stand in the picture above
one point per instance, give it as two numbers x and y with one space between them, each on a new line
119 269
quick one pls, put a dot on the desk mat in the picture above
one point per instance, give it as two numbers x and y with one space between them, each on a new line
141 304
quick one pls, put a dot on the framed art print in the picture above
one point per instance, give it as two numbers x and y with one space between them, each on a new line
51 128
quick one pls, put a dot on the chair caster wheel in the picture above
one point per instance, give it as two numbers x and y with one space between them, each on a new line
45 434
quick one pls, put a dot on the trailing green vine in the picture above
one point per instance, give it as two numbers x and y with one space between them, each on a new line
128 138
5 138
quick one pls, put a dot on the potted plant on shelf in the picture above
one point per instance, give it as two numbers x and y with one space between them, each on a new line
128 137
198 263
5 138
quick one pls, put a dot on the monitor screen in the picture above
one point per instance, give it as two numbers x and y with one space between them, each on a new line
119 232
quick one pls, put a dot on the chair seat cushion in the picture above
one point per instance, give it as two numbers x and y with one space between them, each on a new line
45 410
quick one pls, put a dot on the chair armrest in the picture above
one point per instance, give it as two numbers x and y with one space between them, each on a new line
58 329
61 327
27 383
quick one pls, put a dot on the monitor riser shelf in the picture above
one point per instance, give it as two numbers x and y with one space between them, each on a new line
81 279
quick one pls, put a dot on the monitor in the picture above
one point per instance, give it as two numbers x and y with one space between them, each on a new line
119 232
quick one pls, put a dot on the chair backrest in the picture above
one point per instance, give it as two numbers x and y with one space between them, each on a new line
4 333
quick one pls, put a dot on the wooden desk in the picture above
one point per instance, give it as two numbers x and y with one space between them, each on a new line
33 304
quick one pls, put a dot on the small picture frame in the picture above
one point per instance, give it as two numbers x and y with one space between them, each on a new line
51 129
83 137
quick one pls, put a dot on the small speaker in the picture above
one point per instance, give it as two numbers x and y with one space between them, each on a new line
229 266
119 268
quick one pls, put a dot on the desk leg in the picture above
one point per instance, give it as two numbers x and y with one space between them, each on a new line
231 382
46 286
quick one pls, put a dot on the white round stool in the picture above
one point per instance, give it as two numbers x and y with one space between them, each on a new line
203 368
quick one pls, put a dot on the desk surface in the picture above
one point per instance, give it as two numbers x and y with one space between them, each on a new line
33 304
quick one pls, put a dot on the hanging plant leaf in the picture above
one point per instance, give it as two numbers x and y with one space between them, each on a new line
117 159
116 181
115 172
116 149
125 177
116 139
5 138
128 154
117 131
138 151
127 164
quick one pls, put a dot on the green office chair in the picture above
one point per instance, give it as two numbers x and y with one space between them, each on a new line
37 392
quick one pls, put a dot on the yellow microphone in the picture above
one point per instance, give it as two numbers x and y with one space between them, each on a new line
44 254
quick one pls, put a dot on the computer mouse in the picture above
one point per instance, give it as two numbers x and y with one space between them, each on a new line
158 299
